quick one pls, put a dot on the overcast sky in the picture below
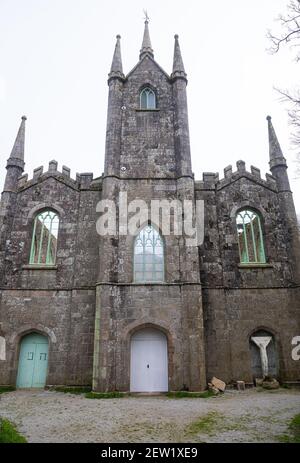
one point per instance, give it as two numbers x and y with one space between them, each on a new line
55 56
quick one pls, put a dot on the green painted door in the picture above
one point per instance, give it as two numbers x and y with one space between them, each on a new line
33 361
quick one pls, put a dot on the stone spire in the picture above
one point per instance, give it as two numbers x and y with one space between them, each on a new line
146 45
178 67
276 155
278 167
15 163
116 70
18 148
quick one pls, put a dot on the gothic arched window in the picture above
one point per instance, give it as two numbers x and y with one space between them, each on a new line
148 256
147 99
44 238
250 237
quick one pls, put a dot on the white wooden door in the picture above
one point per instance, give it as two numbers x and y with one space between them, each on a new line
149 361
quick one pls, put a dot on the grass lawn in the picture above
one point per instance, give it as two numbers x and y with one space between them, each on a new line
4 389
293 437
9 434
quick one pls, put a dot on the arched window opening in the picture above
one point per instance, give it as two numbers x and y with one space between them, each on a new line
148 256
44 238
250 237
147 99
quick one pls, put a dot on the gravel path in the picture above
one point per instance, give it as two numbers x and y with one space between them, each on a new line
251 416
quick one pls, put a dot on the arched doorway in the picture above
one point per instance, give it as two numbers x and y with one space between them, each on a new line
33 361
263 354
149 361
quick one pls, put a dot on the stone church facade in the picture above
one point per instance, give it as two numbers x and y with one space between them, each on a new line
147 312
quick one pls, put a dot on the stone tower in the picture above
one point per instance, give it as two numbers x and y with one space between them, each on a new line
278 167
148 158
15 168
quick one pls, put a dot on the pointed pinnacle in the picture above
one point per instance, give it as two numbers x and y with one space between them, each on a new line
146 45
19 145
178 67
275 151
116 69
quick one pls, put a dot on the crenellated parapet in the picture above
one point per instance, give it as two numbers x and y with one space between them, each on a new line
211 180
83 181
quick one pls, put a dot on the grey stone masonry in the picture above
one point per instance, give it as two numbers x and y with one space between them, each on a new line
87 303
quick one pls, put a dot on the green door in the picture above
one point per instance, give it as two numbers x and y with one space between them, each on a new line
33 361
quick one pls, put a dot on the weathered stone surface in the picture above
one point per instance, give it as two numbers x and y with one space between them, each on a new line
271 384
88 304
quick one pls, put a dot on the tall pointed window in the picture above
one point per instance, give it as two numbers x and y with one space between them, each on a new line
44 238
250 237
147 99
148 256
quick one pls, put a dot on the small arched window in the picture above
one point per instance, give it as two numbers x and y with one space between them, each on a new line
44 238
250 237
148 256
147 99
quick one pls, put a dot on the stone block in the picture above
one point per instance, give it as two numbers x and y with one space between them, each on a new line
38 172
52 166
228 171
271 384
218 384
240 385
66 171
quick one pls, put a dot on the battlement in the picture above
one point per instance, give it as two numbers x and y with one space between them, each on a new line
82 181
211 180
254 174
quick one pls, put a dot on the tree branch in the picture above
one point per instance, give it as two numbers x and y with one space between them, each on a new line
290 28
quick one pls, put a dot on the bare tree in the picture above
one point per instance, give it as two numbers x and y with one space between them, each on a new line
293 100
290 35
289 29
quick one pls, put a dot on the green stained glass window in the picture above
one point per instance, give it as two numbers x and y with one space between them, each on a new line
148 256
250 237
44 238
147 99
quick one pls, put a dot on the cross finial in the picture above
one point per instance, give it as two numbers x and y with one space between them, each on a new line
146 45
146 16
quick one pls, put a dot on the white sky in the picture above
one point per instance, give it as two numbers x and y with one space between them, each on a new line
55 56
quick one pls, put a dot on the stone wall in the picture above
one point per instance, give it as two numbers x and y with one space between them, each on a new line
58 301
240 299
174 309
88 304
123 306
